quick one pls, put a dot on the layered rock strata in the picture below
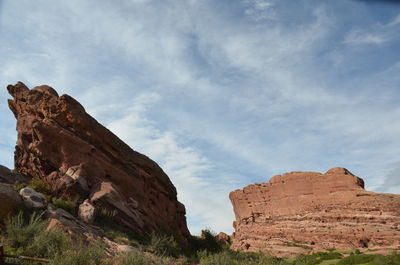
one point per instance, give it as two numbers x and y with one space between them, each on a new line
80 159
302 212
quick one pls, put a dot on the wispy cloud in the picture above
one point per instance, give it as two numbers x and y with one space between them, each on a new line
189 170
376 34
260 9
365 38
219 95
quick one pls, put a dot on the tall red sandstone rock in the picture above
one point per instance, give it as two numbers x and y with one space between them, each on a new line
63 145
301 212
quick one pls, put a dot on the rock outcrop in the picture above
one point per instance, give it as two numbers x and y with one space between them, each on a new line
302 212
10 201
61 144
32 198
11 177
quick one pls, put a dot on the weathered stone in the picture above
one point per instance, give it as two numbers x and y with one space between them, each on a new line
302 212
223 238
79 158
11 177
61 219
10 201
32 198
87 212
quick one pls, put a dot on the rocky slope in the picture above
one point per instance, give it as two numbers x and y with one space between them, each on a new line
82 160
301 212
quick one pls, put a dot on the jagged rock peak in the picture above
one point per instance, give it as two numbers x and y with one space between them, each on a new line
79 158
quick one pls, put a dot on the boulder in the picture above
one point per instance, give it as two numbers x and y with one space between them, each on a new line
304 212
32 198
10 201
63 220
87 212
81 159
11 177
223 238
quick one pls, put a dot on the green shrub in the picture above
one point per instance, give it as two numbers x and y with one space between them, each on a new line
228 257
18 186
21 230
116 231
164 245
105 218
134 258
360 259
330 249
49 244
394 258
141 258
26 235
222 258
92 254
66 204
316 258
327 255
206 241
306 260
40 185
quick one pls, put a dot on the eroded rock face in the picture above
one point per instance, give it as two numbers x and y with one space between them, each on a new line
78 157
301 212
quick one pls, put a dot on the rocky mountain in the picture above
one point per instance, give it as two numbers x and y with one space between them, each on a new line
302 212
59 143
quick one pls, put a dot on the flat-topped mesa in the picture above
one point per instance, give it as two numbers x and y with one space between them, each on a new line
79 158
321 211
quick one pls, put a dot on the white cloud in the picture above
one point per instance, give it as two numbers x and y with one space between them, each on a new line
376 34
394 22
217 99
391 180
186 166
260 9
357 37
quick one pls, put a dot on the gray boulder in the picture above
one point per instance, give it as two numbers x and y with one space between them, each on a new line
32 198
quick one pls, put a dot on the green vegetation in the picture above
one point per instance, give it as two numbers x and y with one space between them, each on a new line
65 204
296 244
40 185
228 257
18 186
372 259
163 245
207 241
316 258
25 234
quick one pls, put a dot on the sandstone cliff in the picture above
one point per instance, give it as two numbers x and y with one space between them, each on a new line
301 212
79 158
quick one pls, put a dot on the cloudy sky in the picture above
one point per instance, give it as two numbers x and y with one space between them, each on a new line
221 93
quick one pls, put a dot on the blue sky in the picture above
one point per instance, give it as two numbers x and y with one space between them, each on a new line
220 93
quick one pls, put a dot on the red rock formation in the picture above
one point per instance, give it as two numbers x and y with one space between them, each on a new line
78 157
301 212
